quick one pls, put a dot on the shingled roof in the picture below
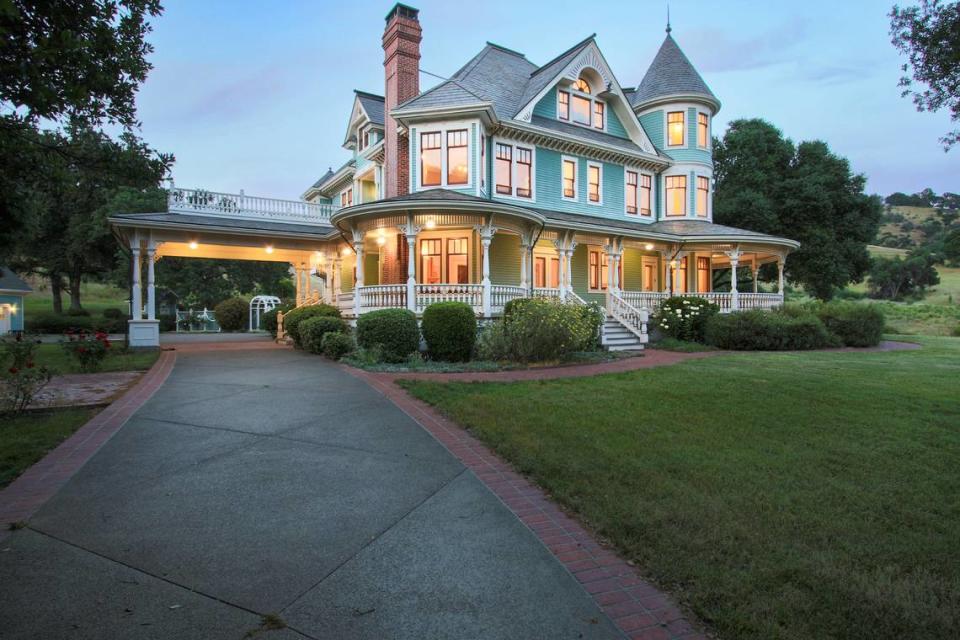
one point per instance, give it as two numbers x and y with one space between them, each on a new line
9 281
372 104
671 73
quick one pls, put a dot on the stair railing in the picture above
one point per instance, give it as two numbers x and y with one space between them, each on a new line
635 320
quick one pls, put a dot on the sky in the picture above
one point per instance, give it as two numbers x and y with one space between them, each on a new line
256 95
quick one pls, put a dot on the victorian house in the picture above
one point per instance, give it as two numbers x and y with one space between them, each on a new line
509 179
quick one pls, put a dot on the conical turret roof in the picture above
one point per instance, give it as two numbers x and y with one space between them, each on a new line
672 74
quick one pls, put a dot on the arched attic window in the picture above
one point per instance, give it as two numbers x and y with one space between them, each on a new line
579 106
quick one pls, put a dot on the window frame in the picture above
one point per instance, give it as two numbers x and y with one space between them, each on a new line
627 172
706 130
496 163
592 164
515 149
563 106
447 253
683 128
416 144
572 92
705 213
446 155
667 199
646 182
709 271
421 256
576 179
600 269
439 150
551 265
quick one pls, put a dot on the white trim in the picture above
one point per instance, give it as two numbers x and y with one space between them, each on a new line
514 145
652 216
443 129
599 166
666 128
592 98
576 178
686 196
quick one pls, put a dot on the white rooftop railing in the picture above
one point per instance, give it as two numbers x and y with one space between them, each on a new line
240 205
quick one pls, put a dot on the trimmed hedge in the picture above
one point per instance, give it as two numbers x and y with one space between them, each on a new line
312 331
767 331
856 325
395 331
538 329
232 314
337 345
48 322
292 320
450 330
114 313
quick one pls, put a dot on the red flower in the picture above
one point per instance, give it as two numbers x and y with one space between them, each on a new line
29 365
82 350
14 370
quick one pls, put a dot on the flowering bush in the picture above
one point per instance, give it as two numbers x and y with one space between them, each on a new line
20 379
685 318
88 349
538 329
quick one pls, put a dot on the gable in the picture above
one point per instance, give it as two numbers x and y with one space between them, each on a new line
566 71
547 108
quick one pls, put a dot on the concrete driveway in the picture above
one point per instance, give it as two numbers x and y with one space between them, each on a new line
270 482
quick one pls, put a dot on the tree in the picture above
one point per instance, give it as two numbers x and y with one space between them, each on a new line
764 183
896 278
951 246
929 35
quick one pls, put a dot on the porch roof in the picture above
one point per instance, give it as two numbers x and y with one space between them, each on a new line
225 224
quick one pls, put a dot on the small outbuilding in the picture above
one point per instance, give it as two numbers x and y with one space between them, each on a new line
12 292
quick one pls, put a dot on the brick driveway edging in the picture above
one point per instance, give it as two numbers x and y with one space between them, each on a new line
21 498
637 607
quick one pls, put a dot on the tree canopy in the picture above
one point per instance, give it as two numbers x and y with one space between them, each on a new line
805 192
929 35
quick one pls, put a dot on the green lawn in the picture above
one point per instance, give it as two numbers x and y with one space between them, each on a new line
28 437
54 357
94 297
780 495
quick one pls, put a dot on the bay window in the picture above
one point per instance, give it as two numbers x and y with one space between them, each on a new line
594 177
569 179
631 192
675 129
676 188
504 169
457 172
703 196
703 130
430 170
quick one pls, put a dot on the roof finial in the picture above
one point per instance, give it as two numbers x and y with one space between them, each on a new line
668 20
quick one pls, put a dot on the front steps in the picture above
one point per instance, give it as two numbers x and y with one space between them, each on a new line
617 337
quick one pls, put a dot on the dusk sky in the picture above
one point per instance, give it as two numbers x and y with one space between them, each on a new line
255 95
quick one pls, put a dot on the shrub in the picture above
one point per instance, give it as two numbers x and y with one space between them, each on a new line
856 325
88 349
113 313
83 313
450 330
232 314
312 330
395 330
292 320
337 345
167 322
48 322
685 318
538 329
767 331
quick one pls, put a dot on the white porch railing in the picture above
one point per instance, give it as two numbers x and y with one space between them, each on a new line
394 296
345 302
501 294
383 296
471 294
634 319
651 300
546 292
240 205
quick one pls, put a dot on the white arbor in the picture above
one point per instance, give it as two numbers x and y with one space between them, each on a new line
260 305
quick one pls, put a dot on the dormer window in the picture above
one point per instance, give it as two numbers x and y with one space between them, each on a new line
580 106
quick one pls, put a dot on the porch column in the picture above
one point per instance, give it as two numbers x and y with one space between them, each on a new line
734 263
486 238
561 267
137 300
410 231
617 257
524 264
611 287
358 283
151 288
756 272
327 285
780 262
337 277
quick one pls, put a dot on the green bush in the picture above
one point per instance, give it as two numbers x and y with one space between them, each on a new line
538 329
450 331
685 318
232 314
77 312
292 320
337 345
114 313
767 331
49 322
312 330
856 325
395 330
110 325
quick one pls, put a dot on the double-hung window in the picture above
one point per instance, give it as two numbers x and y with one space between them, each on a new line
524 172
563 107
431 260
546 272
457 157
578 105
703 130
569 179
676 195
458 271
346 197
645 195
631 192
431 171
504 169
675 129
703 196
594 183
514 170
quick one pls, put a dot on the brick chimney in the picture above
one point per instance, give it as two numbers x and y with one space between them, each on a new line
401 63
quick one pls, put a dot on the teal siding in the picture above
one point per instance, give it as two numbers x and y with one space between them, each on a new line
692 193
614 126
414 158
652 123
16 318
547 107
702 156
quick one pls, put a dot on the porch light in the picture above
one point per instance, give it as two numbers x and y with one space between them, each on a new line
431 223
381 240
13 309
269 248
346 251
193 244
648 246
319 255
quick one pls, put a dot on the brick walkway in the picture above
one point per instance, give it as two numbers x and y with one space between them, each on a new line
637 607
21 498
